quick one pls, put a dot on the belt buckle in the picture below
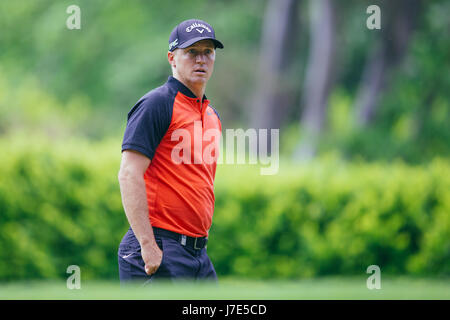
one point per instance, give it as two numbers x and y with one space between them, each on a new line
195 244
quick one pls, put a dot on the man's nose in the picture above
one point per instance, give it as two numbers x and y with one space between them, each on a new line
200 58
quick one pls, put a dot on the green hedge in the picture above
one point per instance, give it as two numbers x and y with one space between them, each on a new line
60 205
333 218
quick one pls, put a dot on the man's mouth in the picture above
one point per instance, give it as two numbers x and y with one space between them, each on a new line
202 71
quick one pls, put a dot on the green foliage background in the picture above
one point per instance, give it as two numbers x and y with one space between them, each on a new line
374 195
91 77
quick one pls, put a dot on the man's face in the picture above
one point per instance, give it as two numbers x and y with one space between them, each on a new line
194 65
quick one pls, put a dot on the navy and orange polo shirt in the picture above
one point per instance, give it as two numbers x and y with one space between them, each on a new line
178 133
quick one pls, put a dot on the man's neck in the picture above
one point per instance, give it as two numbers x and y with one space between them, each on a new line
198 91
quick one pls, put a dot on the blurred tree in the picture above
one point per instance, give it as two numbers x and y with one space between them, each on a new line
319 75
277 30
386 54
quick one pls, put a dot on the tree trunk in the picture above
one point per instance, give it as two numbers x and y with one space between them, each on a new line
388 52
319 76
276 36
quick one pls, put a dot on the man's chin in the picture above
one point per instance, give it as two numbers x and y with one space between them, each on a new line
199 79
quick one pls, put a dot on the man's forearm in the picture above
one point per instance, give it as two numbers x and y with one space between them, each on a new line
134 200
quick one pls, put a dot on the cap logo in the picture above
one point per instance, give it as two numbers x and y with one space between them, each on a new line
173 44
198 25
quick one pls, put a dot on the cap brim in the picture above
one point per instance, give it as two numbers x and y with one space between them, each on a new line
190 42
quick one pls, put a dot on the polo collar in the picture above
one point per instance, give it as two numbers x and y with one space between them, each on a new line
179 86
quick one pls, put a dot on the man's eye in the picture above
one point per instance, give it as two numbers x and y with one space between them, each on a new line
192 51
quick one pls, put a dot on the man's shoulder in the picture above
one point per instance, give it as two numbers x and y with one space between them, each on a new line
160 95
215 111
158 99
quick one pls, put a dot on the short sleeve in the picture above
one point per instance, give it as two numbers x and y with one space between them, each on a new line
148 122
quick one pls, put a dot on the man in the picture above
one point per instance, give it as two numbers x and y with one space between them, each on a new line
166 185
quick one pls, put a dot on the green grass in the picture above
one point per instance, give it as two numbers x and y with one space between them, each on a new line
235 289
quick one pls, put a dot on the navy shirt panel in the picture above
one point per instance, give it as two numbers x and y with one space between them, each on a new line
148 121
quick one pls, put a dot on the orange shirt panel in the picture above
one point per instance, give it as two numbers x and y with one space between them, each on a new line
181 195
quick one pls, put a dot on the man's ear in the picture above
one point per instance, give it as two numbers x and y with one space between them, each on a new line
171 58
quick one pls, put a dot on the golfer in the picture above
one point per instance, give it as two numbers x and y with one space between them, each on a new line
168 166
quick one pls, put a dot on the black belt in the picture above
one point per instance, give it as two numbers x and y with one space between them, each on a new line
191 242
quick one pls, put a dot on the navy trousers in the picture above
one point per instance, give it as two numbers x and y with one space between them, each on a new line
178 262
